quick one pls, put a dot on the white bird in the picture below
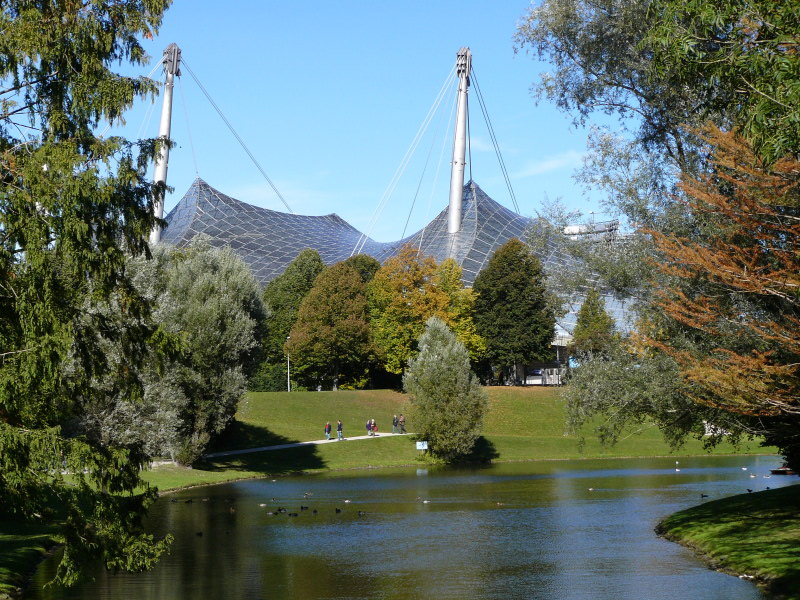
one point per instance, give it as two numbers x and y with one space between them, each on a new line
744 468
347 501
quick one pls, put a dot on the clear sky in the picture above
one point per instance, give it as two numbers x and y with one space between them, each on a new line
328 96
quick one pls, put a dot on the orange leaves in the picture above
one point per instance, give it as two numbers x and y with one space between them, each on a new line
734 283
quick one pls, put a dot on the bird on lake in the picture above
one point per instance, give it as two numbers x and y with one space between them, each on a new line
338 510
704 495
361 513
303 508
749 491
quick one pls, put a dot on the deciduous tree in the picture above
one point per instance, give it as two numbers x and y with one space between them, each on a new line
330 341
402 296
282 298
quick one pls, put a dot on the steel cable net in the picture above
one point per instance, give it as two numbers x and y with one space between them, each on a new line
268 240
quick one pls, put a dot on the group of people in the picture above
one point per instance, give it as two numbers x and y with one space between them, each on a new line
339 431
398 426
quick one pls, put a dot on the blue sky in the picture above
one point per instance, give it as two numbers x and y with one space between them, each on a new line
328 96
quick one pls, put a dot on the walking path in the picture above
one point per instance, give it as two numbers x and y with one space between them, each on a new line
297 444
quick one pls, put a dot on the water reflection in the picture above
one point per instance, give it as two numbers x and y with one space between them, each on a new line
565 529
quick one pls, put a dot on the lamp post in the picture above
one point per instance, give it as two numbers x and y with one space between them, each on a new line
288 376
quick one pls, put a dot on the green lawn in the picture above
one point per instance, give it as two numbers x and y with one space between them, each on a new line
753 534
521 424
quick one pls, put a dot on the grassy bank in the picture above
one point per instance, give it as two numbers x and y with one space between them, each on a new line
521 424
753 535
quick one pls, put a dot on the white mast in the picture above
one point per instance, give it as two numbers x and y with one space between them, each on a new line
463 66
171 61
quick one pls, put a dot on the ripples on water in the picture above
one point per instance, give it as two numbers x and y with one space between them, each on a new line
562 529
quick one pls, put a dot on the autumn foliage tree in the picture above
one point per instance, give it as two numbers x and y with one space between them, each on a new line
728 311
402 296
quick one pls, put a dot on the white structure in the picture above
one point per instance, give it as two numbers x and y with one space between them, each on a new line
171 62
463 66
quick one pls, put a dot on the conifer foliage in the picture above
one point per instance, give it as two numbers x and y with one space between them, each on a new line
732 291
71 206
513 312
448 401
594 329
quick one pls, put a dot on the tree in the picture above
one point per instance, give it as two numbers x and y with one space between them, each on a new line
402 296
447 400
728 310
71 206
207 300
594 329
732 63
282 298
365 265
330 341
512 310
460 309
747 51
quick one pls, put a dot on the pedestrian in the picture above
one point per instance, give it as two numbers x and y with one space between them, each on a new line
394 424
374 427
369 427
401 421
339 432
328 430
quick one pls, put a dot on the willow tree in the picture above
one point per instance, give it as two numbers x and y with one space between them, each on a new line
71 205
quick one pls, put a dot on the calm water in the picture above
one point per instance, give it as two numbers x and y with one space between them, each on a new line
553 530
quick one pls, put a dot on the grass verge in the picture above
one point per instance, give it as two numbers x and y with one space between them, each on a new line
755 536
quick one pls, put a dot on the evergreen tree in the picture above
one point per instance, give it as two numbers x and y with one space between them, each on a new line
71 205
330 341
513 312
594 329
448 402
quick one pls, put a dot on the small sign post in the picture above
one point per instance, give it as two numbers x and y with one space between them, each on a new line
422 445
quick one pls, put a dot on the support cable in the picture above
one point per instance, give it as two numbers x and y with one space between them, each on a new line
236 135
362 240
188 127
494 141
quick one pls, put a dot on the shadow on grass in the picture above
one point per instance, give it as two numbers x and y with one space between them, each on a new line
241 436
484 451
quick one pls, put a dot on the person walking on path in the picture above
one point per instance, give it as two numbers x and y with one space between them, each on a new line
369 426
339 432
328 430
374 428
401 421
394 424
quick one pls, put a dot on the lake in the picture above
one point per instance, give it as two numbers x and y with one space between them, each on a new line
549 530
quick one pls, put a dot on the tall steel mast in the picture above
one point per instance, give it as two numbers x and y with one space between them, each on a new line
171 61
463 66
